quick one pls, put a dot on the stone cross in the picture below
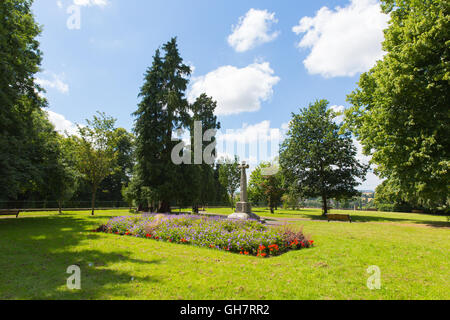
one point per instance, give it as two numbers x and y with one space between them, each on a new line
243 166
244 208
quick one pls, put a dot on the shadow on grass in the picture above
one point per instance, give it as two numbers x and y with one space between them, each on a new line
37 251
304 214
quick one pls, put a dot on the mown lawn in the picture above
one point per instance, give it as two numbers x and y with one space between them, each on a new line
412 251
357 216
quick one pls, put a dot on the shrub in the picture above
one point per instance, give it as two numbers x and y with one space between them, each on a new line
295 237
243 237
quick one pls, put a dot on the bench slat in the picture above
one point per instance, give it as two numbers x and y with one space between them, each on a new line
339 217
10 213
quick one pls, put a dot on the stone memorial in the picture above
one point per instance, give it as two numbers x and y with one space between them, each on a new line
243 207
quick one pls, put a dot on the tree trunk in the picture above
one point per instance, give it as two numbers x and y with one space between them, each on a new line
232 201
325 206
94 191
272 211
60 206
164 207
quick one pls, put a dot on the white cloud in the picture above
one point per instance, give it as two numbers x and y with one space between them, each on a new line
61 123
285 126
236 90
253 29
372 180
192 66
360 156
344 41
260 132
224 155
252 143
340 110
59 4
57 83
89 3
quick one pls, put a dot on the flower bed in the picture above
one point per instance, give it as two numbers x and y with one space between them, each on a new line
243 237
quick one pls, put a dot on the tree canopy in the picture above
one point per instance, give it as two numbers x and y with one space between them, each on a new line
20 112
96 151
400 111
230 176
163 110
318 157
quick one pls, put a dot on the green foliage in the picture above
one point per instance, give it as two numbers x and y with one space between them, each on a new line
20 103
220 192
200 187
61 174
111 186
255 189
291 199
163 109
96 151
401 109
272 186
230 176
318 157
127 195
387 198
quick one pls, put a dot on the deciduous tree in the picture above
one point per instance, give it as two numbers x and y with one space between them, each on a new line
20 102
318 157
401 110
96 152
230 176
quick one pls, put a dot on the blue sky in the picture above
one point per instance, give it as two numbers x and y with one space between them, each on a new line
261 60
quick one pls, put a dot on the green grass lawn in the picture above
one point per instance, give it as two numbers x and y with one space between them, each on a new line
412 251
357 216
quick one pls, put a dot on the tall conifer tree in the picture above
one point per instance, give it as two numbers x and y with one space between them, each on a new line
163 109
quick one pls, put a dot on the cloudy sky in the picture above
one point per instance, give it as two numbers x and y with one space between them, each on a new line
261 60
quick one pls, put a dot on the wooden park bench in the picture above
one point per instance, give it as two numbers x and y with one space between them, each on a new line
339 217
9 213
